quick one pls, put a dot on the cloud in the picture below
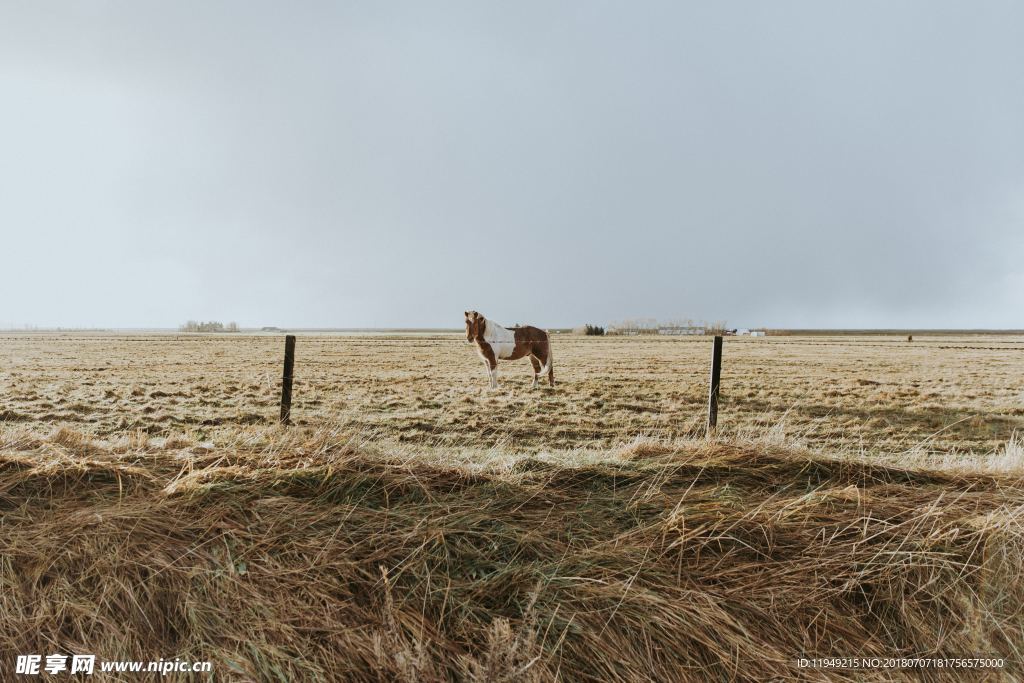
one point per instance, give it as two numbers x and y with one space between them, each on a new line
332 165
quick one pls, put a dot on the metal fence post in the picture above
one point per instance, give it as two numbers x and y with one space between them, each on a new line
286 379
716 380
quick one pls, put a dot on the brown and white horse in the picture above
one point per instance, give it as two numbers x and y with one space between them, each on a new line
494 342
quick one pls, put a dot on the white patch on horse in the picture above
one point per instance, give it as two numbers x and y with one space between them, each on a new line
501 341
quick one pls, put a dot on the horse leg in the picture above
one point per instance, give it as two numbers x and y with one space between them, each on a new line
491 363
543 353
536 370
492 372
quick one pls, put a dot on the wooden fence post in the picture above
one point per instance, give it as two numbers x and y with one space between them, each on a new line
716 380
286 379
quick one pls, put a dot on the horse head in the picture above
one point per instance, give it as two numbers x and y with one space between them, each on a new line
474 326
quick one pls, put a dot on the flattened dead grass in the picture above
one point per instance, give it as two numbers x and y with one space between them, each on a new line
313 555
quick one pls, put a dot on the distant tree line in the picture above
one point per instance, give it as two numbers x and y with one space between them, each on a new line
590 330
717 327
209 326
639 326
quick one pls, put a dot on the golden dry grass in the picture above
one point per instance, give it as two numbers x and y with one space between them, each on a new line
284 556
864 497
871 393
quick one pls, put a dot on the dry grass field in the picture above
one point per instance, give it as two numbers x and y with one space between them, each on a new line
864 497
870 393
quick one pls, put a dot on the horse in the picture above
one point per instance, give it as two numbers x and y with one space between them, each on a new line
494 341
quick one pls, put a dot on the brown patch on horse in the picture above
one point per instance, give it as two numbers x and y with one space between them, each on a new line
488 353
534 342
530 341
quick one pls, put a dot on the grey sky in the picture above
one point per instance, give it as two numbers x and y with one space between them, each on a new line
800 164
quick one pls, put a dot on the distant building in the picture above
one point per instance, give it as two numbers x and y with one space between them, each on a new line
757 333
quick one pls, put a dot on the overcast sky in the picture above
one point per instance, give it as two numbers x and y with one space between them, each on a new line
789 164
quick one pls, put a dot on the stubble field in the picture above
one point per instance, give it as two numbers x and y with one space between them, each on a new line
863 497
